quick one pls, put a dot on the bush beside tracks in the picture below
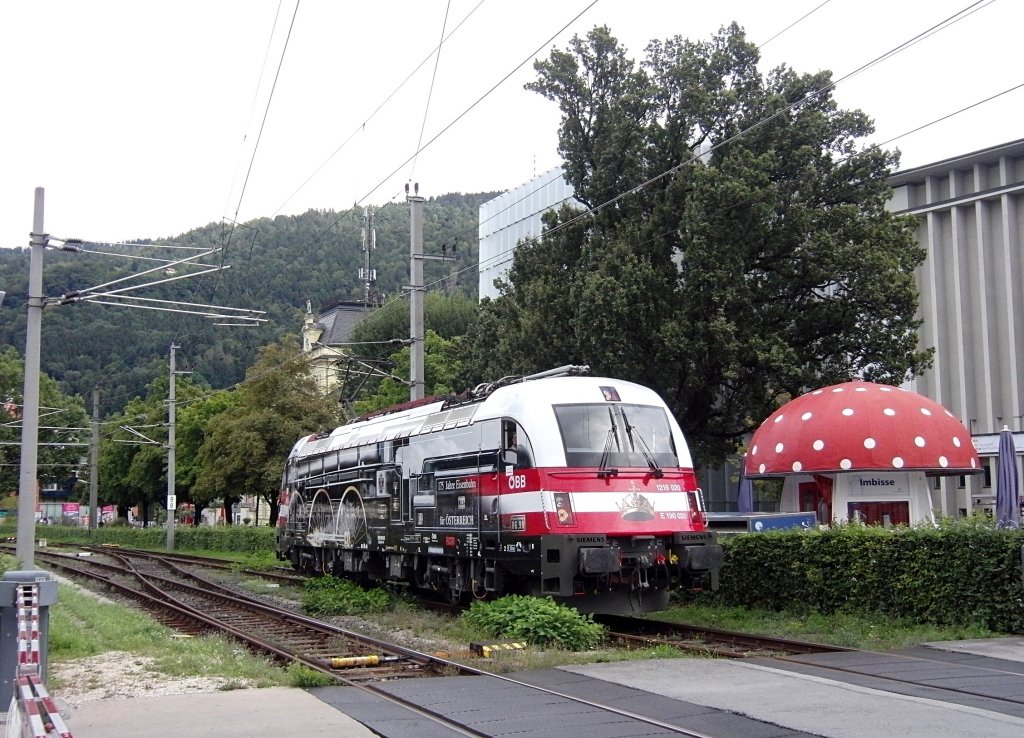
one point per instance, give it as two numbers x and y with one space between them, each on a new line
244 539
962 572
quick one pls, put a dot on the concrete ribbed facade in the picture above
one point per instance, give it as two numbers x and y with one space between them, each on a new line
971 214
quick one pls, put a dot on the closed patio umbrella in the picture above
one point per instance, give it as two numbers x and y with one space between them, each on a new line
745 495
1007 483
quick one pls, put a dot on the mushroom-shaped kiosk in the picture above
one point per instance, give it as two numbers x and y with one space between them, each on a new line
861 452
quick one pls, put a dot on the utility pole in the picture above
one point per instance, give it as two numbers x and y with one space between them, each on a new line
416 348
172 499
417 382
27 486
368 275
94 460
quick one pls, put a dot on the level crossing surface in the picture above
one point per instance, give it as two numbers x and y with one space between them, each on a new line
934 690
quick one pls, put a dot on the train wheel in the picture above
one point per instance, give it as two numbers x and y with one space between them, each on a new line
351 519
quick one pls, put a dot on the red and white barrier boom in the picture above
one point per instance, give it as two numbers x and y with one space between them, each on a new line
33 712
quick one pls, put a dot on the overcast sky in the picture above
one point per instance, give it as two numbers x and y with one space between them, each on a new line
140 119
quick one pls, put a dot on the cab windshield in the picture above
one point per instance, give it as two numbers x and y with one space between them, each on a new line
616 435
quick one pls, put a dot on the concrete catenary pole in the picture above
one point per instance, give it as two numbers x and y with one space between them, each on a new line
172 499
94 461
416 347
24 549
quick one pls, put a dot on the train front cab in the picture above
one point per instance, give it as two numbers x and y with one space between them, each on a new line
625 571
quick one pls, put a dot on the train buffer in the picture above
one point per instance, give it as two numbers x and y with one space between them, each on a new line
487 650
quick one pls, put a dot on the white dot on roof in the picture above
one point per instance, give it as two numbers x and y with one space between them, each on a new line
925 411
797 466
845 464
889 411
778 448
818 445
919 442
869 443
885 389
848 412
972 463
806 416
956 441
861 389
943 461
760 469
753 451
817 392
897 462
837 389
950 414
778 418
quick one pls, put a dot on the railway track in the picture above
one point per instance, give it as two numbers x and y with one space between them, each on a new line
167 586
192 603
393 680
281 575
645 632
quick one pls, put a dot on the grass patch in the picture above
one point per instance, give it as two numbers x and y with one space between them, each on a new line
82 625
849 630
303 677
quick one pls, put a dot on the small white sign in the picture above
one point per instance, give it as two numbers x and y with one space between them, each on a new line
172 501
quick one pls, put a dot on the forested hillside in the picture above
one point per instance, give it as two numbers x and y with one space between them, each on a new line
275 265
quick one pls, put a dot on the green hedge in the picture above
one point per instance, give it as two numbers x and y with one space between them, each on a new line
960 573
245 539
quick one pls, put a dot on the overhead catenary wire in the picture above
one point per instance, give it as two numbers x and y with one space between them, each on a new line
956 17
634 189
802 18
255 97
430 93
942 25
557 173
480 99
372 115
266 110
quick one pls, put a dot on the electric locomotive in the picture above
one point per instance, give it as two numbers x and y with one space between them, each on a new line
556 484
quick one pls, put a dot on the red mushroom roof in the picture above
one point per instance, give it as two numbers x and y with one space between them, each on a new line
860 426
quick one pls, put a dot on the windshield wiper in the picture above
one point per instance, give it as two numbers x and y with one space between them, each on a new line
656 471
603 472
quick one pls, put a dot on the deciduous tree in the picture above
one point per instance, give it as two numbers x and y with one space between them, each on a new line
62 419
247 445
737 249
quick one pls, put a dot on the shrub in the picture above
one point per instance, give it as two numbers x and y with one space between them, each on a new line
244 539
959 573
538 621
302 677
334 596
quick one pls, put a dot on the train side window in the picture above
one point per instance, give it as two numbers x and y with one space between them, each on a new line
515 444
